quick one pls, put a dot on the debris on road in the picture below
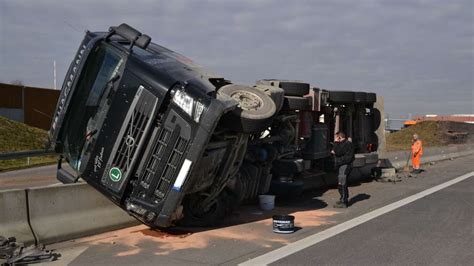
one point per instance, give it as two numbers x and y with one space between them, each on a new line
283 224
14 253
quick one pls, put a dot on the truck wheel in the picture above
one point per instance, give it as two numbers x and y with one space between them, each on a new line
291 88
295 88
376 119
360 97
254 112
371 97
277 95
194 215
296 103
341 96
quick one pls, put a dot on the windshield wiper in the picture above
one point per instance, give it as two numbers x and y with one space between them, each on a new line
90 134
106 86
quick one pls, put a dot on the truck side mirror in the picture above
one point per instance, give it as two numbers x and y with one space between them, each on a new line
130 34
125 31
64 176
143 41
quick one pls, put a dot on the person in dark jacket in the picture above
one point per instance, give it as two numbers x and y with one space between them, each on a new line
344 156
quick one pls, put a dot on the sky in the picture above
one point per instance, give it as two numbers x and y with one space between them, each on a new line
417 54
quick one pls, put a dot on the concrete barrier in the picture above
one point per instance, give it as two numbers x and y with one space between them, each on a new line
14 216
69 211
433 154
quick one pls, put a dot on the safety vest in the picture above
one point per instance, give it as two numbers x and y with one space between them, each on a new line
417 148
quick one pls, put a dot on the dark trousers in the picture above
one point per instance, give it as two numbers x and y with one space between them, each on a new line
343 172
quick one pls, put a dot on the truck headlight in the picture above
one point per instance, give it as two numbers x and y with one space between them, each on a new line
188 105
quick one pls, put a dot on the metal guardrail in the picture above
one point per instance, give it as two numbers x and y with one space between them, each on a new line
25 154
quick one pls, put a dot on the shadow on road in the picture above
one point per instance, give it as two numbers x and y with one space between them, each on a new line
248 213
358 197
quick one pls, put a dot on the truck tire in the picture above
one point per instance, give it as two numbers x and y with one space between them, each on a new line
360 97
277 95
341 96
194 216
376 118
371 97
296 103
291 88
294 88
255 110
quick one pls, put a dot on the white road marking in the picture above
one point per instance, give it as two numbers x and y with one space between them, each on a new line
294 247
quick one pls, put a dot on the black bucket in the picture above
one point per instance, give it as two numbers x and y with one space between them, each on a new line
283 224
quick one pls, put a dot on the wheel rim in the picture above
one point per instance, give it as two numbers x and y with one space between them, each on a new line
247 100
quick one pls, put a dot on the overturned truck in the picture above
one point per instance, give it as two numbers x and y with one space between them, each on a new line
171 143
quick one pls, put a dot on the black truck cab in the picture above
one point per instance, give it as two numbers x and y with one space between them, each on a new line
127 111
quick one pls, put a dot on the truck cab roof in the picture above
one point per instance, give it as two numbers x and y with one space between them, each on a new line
162 59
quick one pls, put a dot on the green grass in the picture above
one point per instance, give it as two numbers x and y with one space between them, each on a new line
8 165
429 131
15 136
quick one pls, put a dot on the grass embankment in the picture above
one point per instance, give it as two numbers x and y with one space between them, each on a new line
432 134
15 136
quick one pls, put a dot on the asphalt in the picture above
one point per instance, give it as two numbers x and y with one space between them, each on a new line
29 177
433 230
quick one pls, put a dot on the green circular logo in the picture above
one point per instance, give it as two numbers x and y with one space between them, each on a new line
115 174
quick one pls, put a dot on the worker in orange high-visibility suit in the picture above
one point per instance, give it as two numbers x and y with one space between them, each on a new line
416 152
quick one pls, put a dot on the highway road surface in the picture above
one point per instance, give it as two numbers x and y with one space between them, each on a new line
422 220
434 230
29 177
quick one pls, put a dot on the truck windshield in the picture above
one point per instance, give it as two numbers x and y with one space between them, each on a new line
102 66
